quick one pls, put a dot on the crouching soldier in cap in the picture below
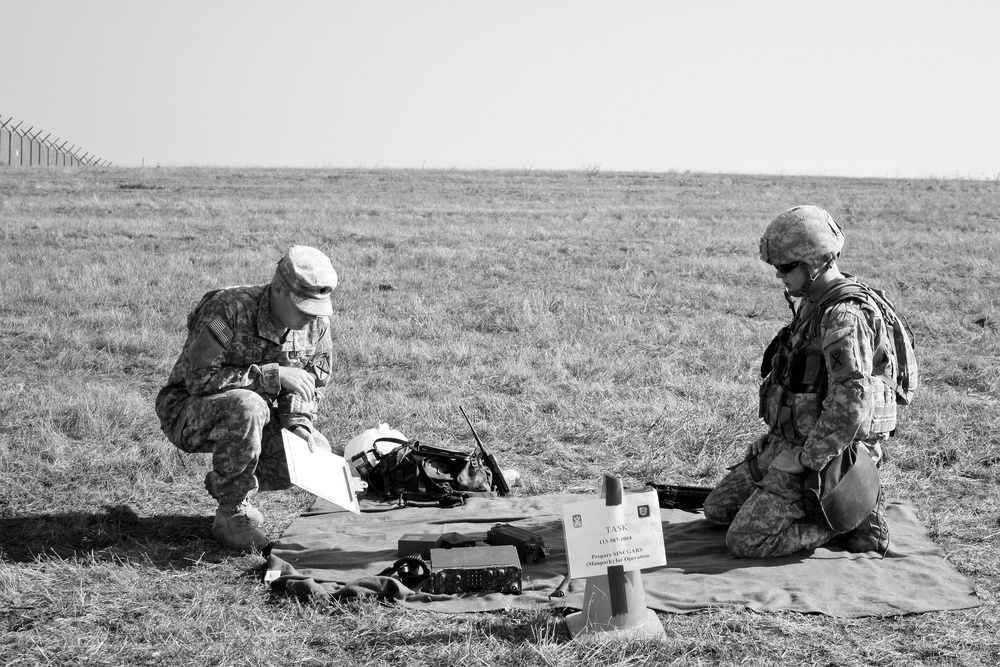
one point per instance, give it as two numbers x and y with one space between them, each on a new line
253 363
820 394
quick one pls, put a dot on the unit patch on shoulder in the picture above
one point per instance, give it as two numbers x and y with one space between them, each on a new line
841 352
323 365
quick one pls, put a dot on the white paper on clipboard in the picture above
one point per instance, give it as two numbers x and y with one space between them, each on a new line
320 472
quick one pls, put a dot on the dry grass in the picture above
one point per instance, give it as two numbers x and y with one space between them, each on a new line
589 322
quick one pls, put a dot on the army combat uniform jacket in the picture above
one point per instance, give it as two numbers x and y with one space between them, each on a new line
233 343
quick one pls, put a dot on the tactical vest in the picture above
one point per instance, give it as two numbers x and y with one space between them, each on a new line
795 380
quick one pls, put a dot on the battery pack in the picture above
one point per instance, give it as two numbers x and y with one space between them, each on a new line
530 546
422 543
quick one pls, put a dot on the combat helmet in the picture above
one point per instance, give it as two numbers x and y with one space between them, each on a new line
802 234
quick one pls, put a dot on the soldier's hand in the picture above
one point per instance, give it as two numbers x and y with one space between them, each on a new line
788 461
297 381
874 450
306 435
756 447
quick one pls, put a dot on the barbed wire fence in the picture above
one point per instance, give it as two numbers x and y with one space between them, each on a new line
32 147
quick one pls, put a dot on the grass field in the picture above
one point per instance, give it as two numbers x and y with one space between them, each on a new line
588 322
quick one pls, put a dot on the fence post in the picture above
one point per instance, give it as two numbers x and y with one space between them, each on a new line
3 128
45 145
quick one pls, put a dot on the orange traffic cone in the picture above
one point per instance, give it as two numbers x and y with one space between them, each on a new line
614 604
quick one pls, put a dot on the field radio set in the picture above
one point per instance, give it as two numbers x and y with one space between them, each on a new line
457 565
475 570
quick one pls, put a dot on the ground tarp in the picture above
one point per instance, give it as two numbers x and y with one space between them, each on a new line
330 553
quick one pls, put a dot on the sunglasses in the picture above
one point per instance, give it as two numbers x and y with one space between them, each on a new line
787 268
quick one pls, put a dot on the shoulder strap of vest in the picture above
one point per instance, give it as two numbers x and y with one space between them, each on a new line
838 292
853 289
842 291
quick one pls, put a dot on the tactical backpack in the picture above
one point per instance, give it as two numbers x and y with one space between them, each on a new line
895 363
424 475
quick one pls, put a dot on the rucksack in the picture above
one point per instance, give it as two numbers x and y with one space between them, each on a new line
418 474
896 363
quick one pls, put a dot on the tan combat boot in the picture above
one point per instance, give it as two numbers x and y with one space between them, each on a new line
873 533
252 513
234 527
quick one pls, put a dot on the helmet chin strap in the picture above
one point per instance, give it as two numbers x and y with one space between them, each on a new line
807 285
789 300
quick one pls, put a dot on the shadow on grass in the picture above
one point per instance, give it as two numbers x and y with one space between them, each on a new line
168 541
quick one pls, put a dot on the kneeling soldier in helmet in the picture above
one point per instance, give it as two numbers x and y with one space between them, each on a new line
252 364
819 395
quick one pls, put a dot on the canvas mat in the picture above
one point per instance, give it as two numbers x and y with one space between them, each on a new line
333 553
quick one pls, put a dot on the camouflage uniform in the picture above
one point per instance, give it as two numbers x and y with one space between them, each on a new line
223 395
818 397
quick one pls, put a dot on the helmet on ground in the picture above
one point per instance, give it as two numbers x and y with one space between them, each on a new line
364 451
802 234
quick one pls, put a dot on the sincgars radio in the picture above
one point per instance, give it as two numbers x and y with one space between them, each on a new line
475 570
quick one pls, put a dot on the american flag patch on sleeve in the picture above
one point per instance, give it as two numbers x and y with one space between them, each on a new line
222 332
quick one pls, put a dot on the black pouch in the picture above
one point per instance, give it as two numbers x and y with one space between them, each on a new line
843 493
675 496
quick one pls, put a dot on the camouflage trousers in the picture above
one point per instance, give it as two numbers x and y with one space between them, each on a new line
242 432
765 518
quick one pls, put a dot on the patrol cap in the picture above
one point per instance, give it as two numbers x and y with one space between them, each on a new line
309 277
802 234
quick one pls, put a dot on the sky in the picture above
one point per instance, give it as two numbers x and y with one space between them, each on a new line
850 88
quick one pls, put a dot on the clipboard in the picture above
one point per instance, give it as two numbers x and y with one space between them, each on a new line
320 472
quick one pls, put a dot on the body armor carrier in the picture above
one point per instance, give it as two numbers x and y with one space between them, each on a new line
795 380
